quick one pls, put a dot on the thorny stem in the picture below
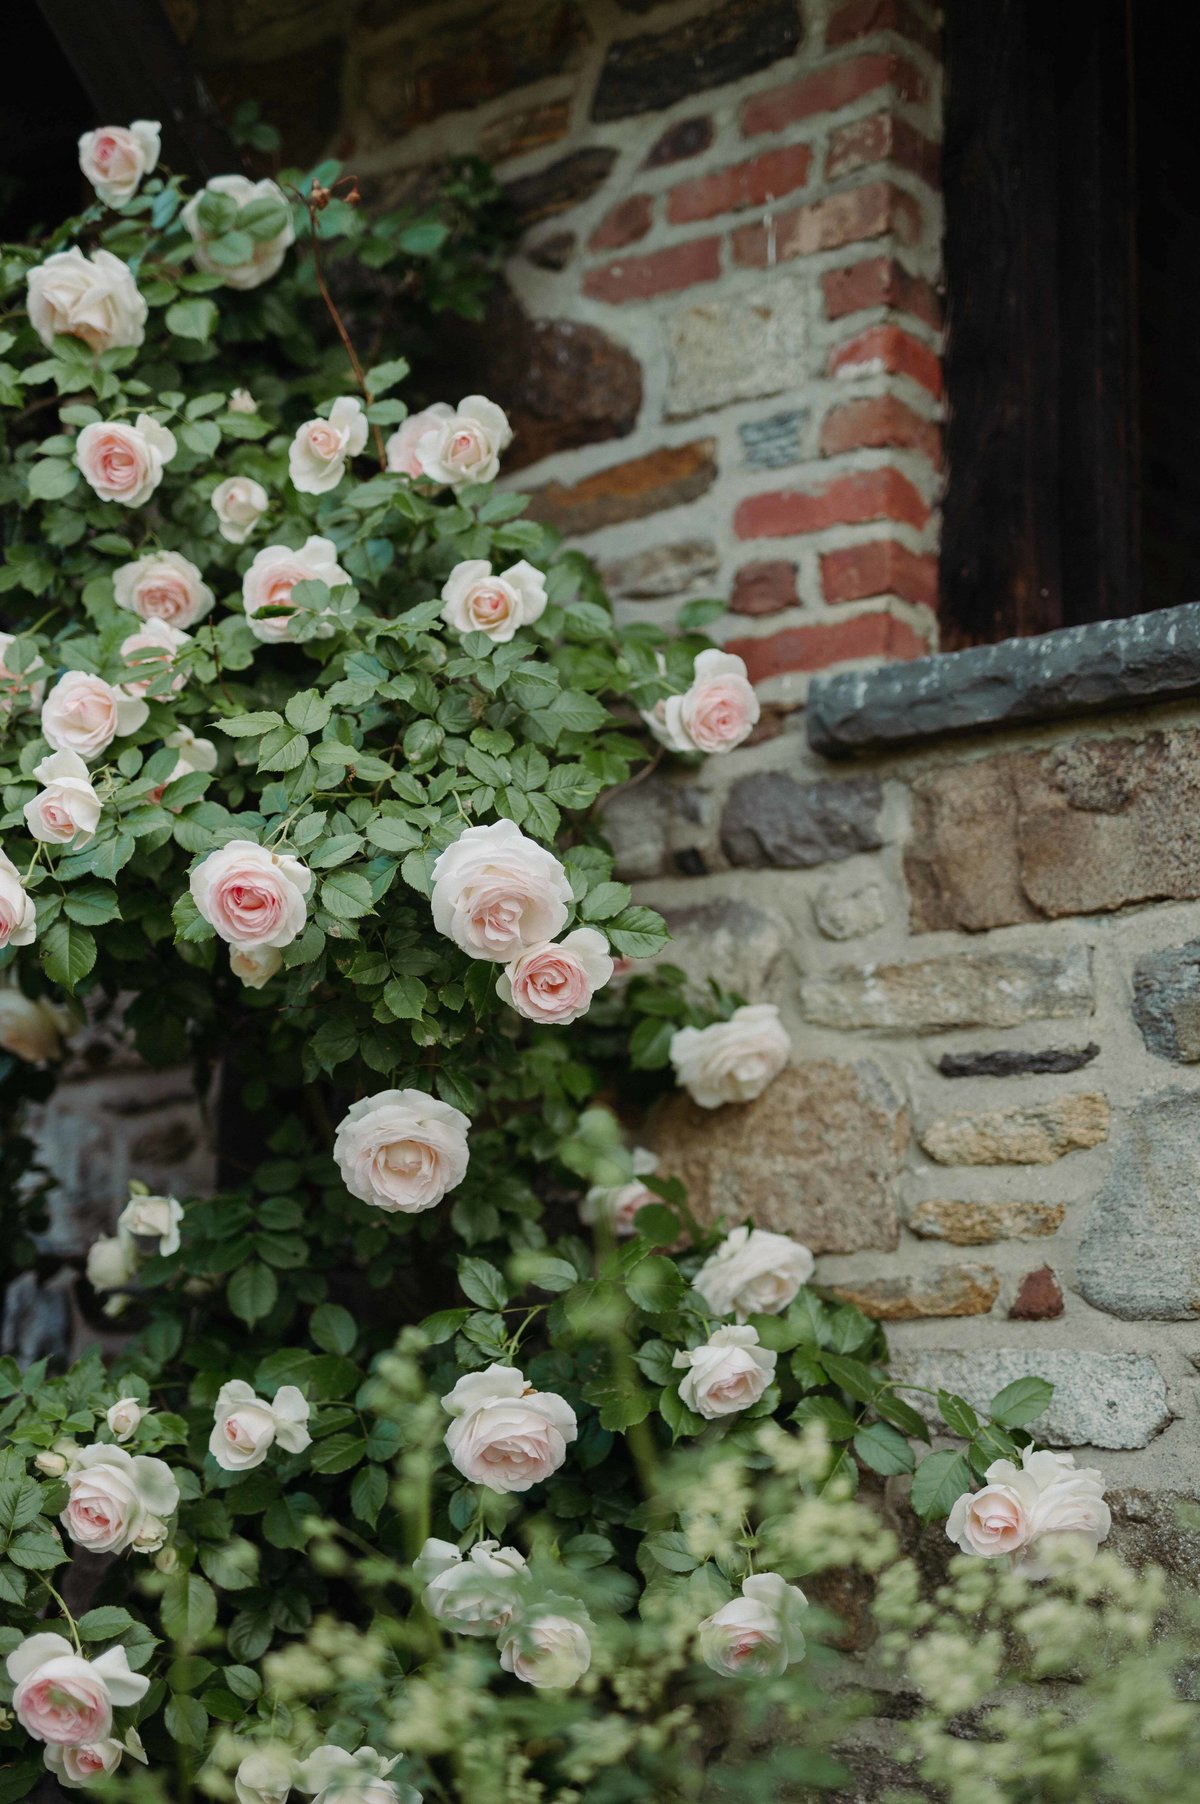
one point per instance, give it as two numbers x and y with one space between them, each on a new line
313 205
70 1620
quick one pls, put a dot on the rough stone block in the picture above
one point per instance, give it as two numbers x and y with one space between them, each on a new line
945 1291
722 44
817 1156
660 827
771 820
1140 1256
1033 1136
772 443
733 941
1011 1062
1100 1399
662 571
628 491
687 138
739 347
848 914
1166 1002
451 66
559 185
964 989
1039 1297
978 1224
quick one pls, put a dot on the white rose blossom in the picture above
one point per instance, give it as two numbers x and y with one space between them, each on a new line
92 298
272 576
754 1272
267 255
478 602
163 585
66 810
255 966
554 983
617 1205
321 448
548 1649
118 1500
124 1417
251 896
464 446
333 1776
68 1701
715 714
151 1223
497 893
124 463
758 1634
246 1426
84 714
31 1027
505 1434
1031 1510
265 1776
242 401
401 1150
734 1060
18 916
239 504
401 448
116 159
110 1263
473 1595
728 1374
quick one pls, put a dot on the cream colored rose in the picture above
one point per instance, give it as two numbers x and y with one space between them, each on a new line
124 463
401 1150
401 448
110 1263
478 602
150 655
758 1634
252 897
265 1776
65 1700
276 570
117 158
716 713
549 1650
473 1596
152 1223
93 298
239 504
496 893
118 1500
246 1426
51 1463
84 714
123 1418
465 446
333 1776
18 688
255 966
67 808
996 1519
753 1272
18 916
555 983
31 1028
321 448
727 1374
731 1061
617 1204
1030 1511
242 401
506 1435
271 233
163 585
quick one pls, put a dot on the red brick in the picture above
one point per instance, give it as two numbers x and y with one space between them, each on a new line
657 272
765 588
882 138
749 184
877 423
801 648
847 501
685 139
879 282
892 349
858 18
872 211
880 567
828 90
628 491
1039 1298
623 224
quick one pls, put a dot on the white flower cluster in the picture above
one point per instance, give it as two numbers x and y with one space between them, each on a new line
1045 1509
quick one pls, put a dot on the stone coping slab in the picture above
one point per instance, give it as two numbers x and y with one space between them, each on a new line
1078 670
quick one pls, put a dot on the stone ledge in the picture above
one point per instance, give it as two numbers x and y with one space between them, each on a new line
1109 664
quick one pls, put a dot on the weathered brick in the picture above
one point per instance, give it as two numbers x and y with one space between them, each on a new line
518 133
648 73
887 349
877 422
879 282
882 138
764 588
802 648
776 441
750 184
872 211
1039 1297
687 138
848 500
623 224
560 185
947 1290
880 567
628 491
655 272
454 65
859 18
828 90
737 347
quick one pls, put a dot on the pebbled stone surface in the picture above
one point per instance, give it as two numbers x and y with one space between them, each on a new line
849 914
751 344
964 989
1100 1399
1166 1002
771 820
1033 1136
1140 1255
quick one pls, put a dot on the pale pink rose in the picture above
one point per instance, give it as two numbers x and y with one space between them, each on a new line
18 916
84 714
401 1150
255 966
497 894
734 1060
618 1204
548 1650
92 298
246 1426
727 1374
159 646
124 463
123 1418
271 236
758 1634
239 504
242 401
465 446
1031 1510
31 1028
334 1776
118 1500
117 158
995 1520
505 1434
716 713
75 1768
319 451
276 570
252 897
18 688
554 983
62 1698
477 1595
68 809
401 448
754 1272
165 586
478 602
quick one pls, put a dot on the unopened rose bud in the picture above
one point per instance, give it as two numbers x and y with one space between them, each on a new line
123 1418
52 1464
166 1559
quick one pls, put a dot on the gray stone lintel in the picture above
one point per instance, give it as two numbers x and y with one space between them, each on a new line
1108 664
